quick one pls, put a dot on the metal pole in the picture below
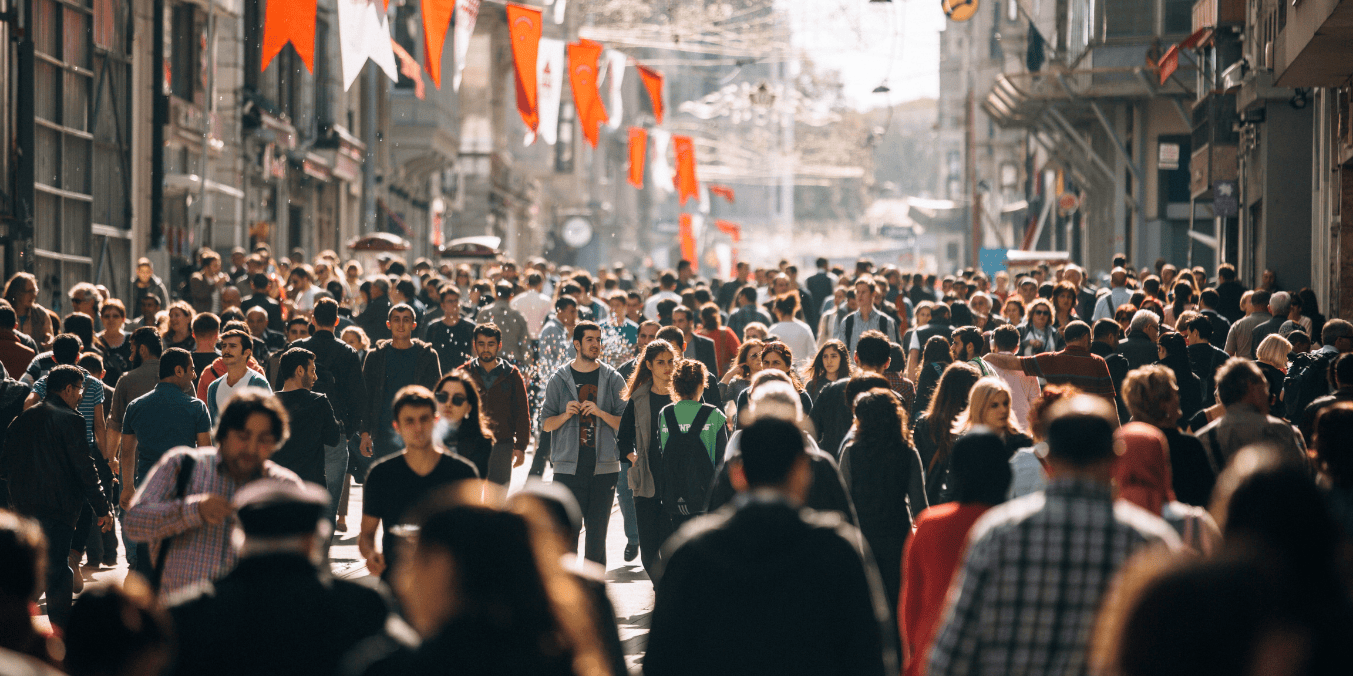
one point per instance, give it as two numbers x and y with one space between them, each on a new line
369 138
209 105
975 206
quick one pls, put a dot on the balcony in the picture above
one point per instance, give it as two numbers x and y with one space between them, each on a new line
1315 49
1020 99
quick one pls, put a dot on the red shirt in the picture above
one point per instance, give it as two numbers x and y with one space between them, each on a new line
928 566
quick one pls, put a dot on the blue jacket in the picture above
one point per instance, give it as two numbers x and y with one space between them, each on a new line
564 441
255 380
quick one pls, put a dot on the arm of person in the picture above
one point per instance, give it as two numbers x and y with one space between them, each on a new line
156 513
80 458
521 424
329 432
916 496
1008 362
100 431
552 414
624 435
127 461
913 364
366 545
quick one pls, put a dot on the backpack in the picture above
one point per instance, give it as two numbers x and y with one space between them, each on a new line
685 468
1307 380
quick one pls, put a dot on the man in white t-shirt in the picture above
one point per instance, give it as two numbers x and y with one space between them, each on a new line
1024 390
667 284
532 304
236 348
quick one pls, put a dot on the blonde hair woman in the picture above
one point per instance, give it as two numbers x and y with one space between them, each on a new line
989 406
1271 357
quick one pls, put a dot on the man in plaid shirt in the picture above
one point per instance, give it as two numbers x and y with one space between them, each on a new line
1037 567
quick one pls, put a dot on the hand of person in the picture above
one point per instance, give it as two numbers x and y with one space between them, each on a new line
214 509
127 494
366 445
375 564
114 466
1037 344
573 408
631 457
105 523
518 458
587 408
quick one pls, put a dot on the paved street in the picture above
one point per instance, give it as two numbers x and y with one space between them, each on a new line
630 590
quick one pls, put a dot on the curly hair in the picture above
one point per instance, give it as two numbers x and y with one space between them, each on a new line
688 378
1152 395
1038 411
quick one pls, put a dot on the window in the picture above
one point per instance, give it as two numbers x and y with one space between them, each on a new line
1129 18
253 44
1178 17
324 114
182 46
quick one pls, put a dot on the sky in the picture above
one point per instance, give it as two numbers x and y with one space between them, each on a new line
872 42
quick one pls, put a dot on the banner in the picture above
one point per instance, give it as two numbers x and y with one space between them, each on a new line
582 75
289 21
408 67
653 83
638 149
686 235
661 171
558 8
436 21
549 89
733 230
615 77
467 12
524 25
723 191
363 34
686 184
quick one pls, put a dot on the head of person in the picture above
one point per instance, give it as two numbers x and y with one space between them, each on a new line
1152 396
414 415
1198 330
297 367
1005 338
65 382
1064 297
22 290
1118 277
237 347
176 366
566 310
458 399
251 428
772 458
786 306
688 379
356 338
980 305
587 340
488 341
777 355
755 331
656 362
1145 322
880 420
298 328
66 348
1273 350
1333 454
1339 334
274 517
118 630
683 318
1240 381
989 407
967 343
1076 334
873 352
1142 472
1013 311
325 315
1040 313
864 291
401 321
749 357
1080 437
937 350
979 468
948 402
832 362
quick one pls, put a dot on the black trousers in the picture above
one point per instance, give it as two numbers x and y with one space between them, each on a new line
595 495
655 526
542 455
59 575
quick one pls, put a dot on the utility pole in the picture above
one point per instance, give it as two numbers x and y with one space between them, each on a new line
975 205
208 105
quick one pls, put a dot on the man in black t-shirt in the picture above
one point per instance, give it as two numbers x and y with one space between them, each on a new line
402 480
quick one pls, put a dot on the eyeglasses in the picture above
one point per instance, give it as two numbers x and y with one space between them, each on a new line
1041 312
456 400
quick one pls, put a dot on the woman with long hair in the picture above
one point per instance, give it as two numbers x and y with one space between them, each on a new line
485 589
1173 352
934 430
1152 397
1064 296
1310 308
726 341
179 332
989 407
460 426
1271 358
886 481
112 341
1038 334
1123 315
791 331
831 364
777 356
739 377
22 292
935 358
1183 301
649 390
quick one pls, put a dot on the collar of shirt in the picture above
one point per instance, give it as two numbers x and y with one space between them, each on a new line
497 365
1327 349
1075 486
1077 350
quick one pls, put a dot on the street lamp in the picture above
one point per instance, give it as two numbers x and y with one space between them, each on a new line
762 96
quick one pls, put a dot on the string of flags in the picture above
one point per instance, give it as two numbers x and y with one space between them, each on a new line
539 65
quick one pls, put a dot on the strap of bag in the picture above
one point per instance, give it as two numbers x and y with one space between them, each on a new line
186 467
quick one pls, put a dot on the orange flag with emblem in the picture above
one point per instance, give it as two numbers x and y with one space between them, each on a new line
289 21
687 236
638 149
582 75
686 184
524 26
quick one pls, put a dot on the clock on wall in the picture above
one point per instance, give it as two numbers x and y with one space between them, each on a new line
577 232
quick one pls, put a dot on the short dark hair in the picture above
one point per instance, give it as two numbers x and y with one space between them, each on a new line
206 323
674 336
91 361
939 311
748 292
66 348
412 395
970 335
564 303
1210 298
690 314
23 547
862 382
770 448
1202 325
246 403
979 468
246 340
298 321
688 378
150 338
405 288
63 376
666 307
8 318
1075 331
326 312
1341 371
1109 327
1234 379
1226 272
1005 337
487 329
1077 437
503 290
174 357
581 328
292 359
402 307
873 349
1260 298
258 281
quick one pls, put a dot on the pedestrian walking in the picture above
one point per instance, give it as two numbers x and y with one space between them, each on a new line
866 318
689 433
676 337
236 350
51 475
935 431
1243 391
505 406
397 482
1142 477
830 364
394 364
762 586
462 426
647 394
582 412
515 334
338 376
1074 365
831 412
988 410
305 453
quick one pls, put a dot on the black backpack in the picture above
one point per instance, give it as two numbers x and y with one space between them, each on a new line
1307 380
686 472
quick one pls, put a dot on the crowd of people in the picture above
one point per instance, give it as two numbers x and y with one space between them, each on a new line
862 471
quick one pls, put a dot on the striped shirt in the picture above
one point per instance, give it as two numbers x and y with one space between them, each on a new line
198 551
92 397
1072 366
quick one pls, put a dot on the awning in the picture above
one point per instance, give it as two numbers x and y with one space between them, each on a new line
1170 62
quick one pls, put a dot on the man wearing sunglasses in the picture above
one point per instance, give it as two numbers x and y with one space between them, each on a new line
503 395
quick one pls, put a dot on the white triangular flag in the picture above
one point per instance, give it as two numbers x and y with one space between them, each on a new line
549 88
615 77
363 34
467 11
559 6
661 140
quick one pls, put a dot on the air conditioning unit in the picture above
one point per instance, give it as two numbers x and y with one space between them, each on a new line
1232 77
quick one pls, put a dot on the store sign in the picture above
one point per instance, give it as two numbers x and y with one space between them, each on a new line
1167 159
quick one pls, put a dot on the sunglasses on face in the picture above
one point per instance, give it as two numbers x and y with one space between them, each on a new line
456 400
1042 312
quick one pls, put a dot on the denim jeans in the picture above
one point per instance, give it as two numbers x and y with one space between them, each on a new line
335 473
594 494
59 575
626 496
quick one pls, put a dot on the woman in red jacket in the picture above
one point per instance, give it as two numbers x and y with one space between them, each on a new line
979 474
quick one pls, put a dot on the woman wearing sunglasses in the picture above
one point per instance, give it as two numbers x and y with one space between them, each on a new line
1038 334
460 427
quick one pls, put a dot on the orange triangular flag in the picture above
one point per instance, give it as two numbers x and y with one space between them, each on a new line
436 21
687 236
289 21
638 149
524 25
723 191
733 230
653 83
686 184
582 75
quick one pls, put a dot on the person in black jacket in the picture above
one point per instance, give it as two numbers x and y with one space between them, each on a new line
309 411
258 283
1174 354
278 612
1205 357
373 318
52 475
765 586
338 376
1140 345
1105 345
